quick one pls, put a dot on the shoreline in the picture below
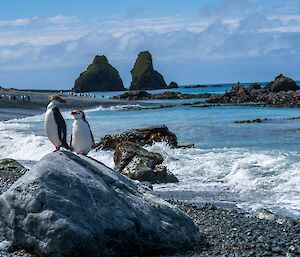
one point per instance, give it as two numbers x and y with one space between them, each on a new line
15 109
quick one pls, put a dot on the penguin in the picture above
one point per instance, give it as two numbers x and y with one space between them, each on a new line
82 139
55 124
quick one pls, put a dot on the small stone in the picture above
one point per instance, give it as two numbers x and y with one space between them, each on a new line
5 246
292 249
276 250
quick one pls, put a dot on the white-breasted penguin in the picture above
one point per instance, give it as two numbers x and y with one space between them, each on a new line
55 124
82 139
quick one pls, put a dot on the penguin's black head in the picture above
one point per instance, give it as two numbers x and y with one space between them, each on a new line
78 114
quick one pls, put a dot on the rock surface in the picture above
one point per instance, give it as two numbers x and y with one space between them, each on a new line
143 136
99 76
282 83
68 205
144 77
139 164
143 95
10 171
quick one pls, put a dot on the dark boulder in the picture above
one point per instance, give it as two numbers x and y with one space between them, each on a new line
99 76
68 205
282 83
144 77
168 95
249 121
139 164
134 95
173 85
143 136
196 86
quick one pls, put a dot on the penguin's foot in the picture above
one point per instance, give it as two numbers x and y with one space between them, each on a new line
56 149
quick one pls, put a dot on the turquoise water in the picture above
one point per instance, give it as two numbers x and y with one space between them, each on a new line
251 165
211 89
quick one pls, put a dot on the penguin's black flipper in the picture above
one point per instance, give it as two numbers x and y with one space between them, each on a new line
92 135
61 127
83 117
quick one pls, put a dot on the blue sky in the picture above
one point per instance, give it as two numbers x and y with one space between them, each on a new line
47 43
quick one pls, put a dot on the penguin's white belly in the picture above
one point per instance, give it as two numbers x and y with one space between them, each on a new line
82 141
51 128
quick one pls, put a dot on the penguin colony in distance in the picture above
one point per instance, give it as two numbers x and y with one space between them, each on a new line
55 124
82 140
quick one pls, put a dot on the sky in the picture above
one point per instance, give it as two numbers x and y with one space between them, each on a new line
46 44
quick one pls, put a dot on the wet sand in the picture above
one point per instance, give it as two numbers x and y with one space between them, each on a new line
11 109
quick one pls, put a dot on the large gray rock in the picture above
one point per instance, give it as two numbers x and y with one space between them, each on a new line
75 206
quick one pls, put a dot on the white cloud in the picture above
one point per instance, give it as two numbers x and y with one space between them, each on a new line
235 29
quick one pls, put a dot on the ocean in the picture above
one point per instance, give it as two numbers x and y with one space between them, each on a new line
251 165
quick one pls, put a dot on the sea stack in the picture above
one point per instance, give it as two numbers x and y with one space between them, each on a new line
99 76
144 77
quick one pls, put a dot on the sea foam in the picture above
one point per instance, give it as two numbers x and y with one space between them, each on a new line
250 178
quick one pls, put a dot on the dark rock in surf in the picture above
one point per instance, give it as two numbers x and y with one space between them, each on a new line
139 164
99 76
144 77
143 136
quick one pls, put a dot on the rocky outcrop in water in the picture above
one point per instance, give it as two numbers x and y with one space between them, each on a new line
99 76
68 205
262 96
144 77
141 137
248 121
282 83
143 95
197 86
173 84
137 163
